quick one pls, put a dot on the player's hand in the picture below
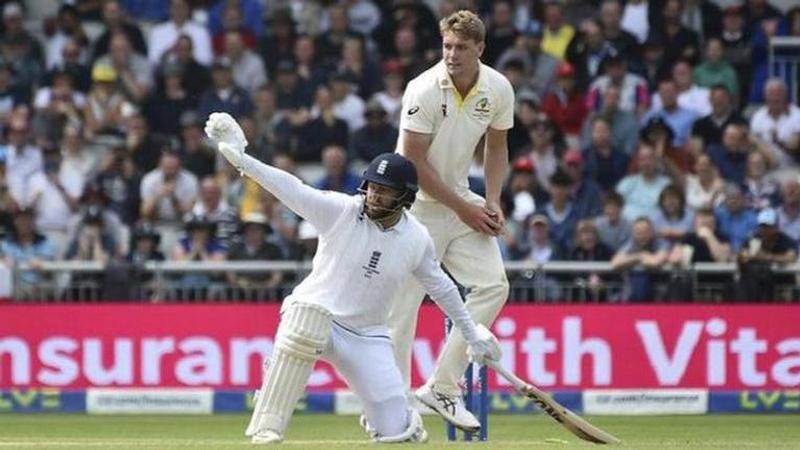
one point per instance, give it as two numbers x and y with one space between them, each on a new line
480 219
222 128
497 213
484 348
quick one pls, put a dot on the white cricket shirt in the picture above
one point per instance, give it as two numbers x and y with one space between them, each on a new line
359 267
432 105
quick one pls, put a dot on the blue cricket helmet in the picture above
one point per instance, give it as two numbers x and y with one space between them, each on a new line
395 171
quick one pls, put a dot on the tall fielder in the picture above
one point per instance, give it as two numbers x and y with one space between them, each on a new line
368 244
446 111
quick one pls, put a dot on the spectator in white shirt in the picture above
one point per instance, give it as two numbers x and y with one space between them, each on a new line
22 159
690 95
164 35
346 104
134 72
248 68
778 124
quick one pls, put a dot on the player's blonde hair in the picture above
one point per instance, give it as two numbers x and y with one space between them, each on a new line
466 24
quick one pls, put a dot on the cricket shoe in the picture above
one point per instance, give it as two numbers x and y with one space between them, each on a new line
367 427
450 407
267 437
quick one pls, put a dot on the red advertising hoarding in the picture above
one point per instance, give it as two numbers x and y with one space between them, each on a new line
564 347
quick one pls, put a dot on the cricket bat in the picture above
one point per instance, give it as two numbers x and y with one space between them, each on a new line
571 421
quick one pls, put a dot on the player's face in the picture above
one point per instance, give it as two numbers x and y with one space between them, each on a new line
460 55
380 201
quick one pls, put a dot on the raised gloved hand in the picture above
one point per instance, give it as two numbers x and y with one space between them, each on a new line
222 128
484 347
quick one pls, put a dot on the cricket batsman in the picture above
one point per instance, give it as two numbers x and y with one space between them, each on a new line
446 111
368 244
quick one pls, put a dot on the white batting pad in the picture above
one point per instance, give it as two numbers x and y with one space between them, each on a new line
302 335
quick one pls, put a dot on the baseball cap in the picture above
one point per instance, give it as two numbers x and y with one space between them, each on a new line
523 164
573 156
539 219
104 73
566 70
768 216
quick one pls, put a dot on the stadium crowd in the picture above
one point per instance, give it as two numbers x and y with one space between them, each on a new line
647 133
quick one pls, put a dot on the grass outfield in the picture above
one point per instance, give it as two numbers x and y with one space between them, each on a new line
342 432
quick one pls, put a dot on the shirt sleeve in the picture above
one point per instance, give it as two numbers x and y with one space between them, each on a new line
504 116
444 292
320 208
416 114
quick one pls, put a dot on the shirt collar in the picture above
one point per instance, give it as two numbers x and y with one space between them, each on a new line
445 82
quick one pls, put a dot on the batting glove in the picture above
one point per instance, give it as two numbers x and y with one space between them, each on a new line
484 348
222 128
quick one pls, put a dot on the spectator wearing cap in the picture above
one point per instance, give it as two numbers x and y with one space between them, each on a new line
115 20
639 259
566 104
213 207
540 67
104 104
325 129
690 96
144 245
248 68
24 245
588 51
766 248
134 72
613 229
168 192
735 219
778 124
524 190
789 211
391 96
376 137
586 194
624 42
20 48
164 35
23 159
557 34
224 95
667 107
641 189
633 92
294 94
254 246
337 176
198 157
560 210
707 131
69 26
679 42
537 245
605 163
500 31
170 100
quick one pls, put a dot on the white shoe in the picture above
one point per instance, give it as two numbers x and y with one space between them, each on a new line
367 427
450 407
267 437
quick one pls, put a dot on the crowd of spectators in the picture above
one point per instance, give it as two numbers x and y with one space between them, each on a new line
648 133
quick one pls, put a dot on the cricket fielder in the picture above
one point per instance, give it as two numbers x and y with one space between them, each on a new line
446 111
368 244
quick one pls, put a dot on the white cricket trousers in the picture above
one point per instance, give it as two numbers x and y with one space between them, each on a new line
474 260
367 364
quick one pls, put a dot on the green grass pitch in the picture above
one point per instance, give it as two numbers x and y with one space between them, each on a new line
330 432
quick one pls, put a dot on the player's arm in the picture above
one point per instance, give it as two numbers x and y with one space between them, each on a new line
495 168
483 345
321 209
